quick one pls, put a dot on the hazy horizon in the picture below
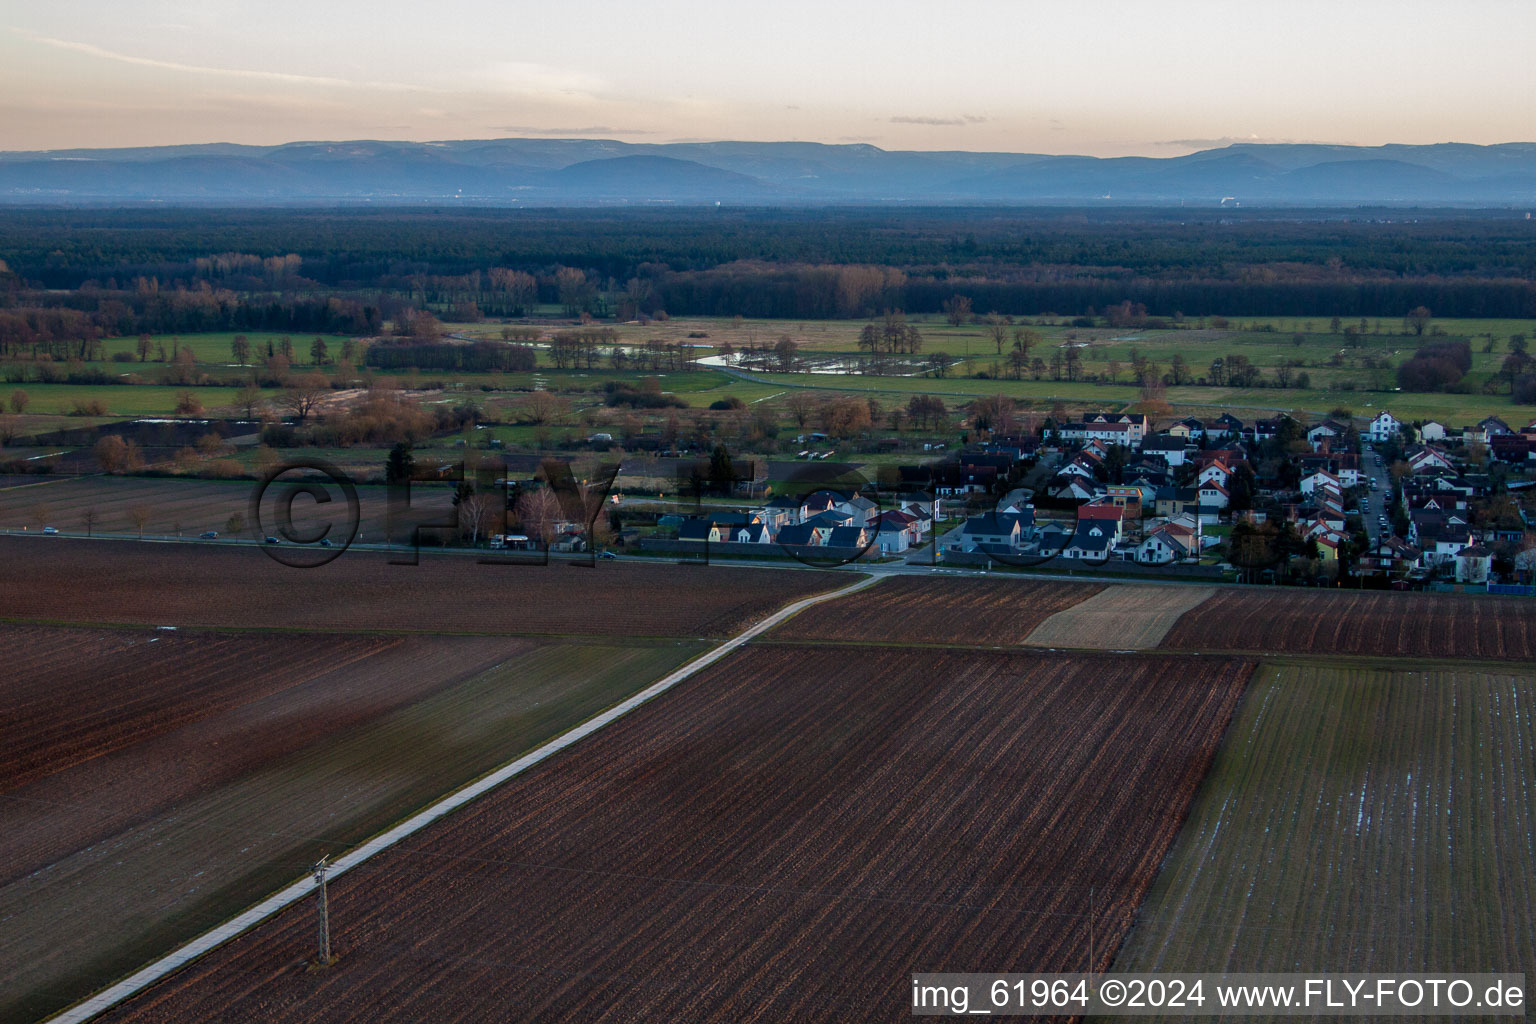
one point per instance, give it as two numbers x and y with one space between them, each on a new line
1110 78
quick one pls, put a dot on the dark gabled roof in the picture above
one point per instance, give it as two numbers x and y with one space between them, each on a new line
1091 536
1164 443
799 533
847 537
787 503
990 524
828 520
695 529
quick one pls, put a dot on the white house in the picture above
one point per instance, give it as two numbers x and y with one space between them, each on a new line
1383 427
1472 564
1216 471
1327 430
1171 450
1166 544
1213 495
1321 478
1432 431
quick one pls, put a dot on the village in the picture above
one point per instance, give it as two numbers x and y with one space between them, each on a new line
1381 501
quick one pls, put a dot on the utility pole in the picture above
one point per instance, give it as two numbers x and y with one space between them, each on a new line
325 920
1090 933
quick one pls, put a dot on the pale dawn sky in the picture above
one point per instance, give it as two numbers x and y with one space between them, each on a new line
1103 77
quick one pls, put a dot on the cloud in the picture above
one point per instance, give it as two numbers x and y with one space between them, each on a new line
942 122
585 133
527 77
199 69
1229 140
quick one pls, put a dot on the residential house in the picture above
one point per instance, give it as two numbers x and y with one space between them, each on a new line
1431 431
781 512
950 480
1212 495
1492 426
1216 471
1173 500
1171 450
1112 516
1189 427
895 532
804 535
847 537
699 530
1321 478
1439 536
1383 428
1127 498
1167 544
1472 564
751 533
859 509
922 504
990 529
1092 540
1328 545
1426 458
1225 426
1326 431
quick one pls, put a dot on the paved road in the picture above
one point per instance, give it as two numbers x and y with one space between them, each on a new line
1378 497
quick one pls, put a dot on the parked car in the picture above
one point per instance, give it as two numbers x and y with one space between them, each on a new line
209 535
50 530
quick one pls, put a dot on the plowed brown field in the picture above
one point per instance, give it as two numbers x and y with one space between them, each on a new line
1414 625
204 585
785 836
72 695
911 609
152 783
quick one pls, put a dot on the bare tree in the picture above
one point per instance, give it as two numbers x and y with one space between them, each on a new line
41 513
801 405
543 407
248 398
477 514
957 310
997 329
19 400
139 515
304 393
88 519
538 512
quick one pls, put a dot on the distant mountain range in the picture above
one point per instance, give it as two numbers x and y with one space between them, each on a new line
549 172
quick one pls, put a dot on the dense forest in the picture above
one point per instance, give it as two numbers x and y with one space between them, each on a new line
67 274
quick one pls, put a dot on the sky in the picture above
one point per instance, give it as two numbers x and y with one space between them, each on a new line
1098 77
